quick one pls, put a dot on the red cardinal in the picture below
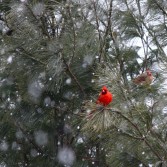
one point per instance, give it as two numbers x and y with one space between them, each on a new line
105 97
145 78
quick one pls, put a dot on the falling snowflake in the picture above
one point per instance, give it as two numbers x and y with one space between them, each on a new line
38 9
47 101
41 138
20 8
88 60
9 60
15 146
19 134
33 153
68 81
2 164
66 156
67 129
35 89
68 95
4 146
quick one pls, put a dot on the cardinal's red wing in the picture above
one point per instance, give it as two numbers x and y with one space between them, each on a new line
105 99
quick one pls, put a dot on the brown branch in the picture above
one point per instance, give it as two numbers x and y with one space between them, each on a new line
160 7
73 76
107 31
99 34
29 139
30 56
108 28
143 138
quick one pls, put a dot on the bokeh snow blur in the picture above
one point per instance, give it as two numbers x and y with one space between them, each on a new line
41 138
66 156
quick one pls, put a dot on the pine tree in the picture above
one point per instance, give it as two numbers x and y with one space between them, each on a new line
56 56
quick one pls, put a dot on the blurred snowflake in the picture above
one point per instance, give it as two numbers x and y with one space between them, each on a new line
66 156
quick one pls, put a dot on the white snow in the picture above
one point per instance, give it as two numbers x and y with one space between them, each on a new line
149 101
2 164
38 9
9 60
78 127
66 156
80 140
68 95
164 110
67 129
19 134
68 81
41 138
88 60
35 89
47 101
33 153
20 8
4 146
52 103
39 110
15 146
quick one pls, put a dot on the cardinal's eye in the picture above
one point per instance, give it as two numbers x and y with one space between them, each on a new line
149 74
104 92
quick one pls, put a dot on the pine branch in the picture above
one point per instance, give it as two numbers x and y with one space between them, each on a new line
139 24
30 140
131 136
108 27
103 40
30 56
73 76
140 30
45 32
142 137
98 29
154 38
73 32
160 7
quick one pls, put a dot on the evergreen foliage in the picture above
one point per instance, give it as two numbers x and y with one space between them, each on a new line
55 56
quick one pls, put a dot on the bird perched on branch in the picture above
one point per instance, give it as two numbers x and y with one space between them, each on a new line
105 97
145 78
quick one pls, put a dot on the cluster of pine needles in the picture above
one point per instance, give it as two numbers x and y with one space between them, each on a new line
98 118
